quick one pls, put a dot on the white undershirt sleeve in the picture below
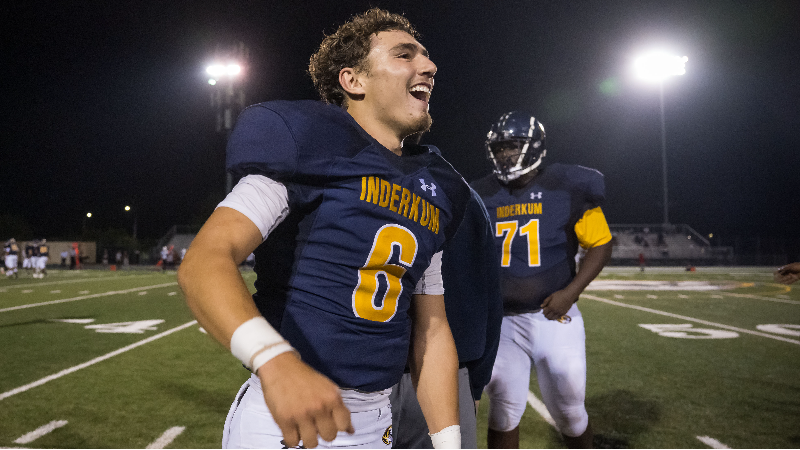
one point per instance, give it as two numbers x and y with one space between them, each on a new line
431 282
262 200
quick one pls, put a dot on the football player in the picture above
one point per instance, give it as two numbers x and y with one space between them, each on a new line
540 215
347 226
11 250
40 261
28 257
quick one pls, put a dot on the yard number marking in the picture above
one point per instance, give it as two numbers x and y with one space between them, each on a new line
685 331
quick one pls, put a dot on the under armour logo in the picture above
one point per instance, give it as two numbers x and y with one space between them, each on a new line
535 195
425 187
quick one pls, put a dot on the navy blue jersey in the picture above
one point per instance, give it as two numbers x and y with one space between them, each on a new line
535 240
472 294
336 276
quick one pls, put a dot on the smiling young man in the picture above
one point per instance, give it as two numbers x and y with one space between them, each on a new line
347 226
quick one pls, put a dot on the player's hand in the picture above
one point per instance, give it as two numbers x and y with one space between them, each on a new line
303 402
788 274
557 304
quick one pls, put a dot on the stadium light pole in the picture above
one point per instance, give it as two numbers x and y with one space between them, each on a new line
128 209
658 66
226 74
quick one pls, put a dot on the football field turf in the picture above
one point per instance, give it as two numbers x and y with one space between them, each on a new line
98 359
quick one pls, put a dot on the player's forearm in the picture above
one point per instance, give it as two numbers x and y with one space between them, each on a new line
592 264
434 371
215 292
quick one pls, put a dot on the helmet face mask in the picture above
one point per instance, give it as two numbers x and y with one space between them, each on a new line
515 145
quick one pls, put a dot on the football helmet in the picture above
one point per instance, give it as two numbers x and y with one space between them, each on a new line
523 138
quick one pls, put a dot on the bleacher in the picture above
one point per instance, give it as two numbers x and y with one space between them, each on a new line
665 245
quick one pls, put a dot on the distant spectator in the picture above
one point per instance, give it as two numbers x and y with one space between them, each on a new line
105 256
125 260
164 253
118 257
64 258
641 262
788 274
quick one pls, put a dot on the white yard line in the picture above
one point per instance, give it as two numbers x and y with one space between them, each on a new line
44 380
167 437
81 280
759 297
691 319
39 432
83 297
711 442
540 408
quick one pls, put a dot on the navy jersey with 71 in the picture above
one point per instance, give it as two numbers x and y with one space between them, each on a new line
335 277
534 229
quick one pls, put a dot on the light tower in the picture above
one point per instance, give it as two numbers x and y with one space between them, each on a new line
657 67
226 77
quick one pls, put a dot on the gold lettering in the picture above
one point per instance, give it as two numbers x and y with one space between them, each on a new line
386 188
373 190
426 216
363 187
434 223
537 208
405 197
500 214
523 208
394 197
414 213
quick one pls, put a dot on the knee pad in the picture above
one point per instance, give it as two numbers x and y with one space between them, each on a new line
572 422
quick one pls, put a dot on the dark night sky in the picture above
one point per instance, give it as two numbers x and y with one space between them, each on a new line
106 103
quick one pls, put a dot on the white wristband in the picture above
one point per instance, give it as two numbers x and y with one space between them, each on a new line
255 342
449 437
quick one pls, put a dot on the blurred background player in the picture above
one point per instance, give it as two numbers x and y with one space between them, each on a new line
28 255
11 250
540 215
40 260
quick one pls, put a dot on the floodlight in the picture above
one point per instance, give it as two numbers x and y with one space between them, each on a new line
234 69
216 70
88 214
212 81
127 208
657 66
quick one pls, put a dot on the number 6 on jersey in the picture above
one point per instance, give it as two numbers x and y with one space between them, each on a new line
387 237
529 230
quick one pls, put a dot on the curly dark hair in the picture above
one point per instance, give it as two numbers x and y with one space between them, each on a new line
348 47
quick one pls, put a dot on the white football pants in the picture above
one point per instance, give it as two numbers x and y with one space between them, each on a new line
558 352
250 425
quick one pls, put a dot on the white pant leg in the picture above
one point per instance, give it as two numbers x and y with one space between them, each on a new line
250 424
508 388
11 262
560 361
41 263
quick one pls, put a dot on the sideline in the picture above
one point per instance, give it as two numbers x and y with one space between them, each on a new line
55 376
83 297
691 319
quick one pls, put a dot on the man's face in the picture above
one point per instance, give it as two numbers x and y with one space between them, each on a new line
506 153
399 83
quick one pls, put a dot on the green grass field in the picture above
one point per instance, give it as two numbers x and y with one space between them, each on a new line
97 359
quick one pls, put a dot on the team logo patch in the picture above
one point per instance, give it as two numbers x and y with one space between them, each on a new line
425 187
535 195
387 436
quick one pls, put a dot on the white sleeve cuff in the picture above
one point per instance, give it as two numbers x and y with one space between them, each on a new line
262 200
431 282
